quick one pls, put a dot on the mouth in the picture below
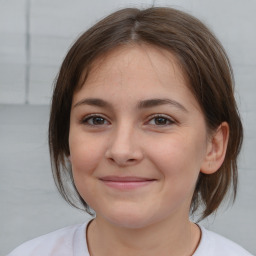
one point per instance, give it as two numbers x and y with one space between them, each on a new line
126 183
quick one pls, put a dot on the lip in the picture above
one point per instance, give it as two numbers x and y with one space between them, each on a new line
127 182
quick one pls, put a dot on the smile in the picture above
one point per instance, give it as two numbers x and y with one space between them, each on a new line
126 183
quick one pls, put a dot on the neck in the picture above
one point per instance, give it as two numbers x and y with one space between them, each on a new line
168 237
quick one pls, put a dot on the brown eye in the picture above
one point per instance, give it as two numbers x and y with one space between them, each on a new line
98 120
161 121
95 121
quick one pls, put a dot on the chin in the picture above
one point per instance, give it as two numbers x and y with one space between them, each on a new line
132 219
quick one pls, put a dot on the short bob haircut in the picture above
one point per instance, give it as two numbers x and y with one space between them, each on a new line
205 66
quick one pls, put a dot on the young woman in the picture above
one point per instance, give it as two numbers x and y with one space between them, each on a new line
144 127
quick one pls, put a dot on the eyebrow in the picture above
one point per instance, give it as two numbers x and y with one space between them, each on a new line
158 102
93 102
149 103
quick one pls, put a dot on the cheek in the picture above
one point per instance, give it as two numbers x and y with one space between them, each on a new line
86 153
178 158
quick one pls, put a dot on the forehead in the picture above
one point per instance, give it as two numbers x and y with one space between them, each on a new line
136 70
142 58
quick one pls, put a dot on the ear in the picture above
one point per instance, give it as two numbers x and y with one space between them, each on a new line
216 149
69 158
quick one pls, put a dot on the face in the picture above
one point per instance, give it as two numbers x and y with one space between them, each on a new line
137 138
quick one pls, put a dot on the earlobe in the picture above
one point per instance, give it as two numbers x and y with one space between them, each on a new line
216 149
69 158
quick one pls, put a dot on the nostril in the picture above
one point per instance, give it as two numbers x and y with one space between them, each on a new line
122 162
130 160
111 159
123 157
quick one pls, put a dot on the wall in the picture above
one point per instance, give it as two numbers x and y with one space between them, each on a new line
34 37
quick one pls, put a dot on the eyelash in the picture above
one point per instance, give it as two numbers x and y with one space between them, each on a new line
168 120
87 118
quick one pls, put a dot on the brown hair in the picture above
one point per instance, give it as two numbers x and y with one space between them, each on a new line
204 63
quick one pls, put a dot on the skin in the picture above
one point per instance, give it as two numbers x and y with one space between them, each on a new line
127 139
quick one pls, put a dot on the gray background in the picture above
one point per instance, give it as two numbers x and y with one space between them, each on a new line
34 37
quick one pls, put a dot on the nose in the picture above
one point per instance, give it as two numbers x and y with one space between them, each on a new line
124 147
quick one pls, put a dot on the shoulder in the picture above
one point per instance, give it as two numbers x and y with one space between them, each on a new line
59 243
213 244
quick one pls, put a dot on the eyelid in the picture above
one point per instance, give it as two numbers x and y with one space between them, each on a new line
84 119
170 119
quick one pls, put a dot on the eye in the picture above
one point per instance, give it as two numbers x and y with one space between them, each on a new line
94 120
160 120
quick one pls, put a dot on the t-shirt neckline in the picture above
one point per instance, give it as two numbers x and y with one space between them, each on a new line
81 242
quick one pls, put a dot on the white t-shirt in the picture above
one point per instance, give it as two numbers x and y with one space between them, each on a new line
71 241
